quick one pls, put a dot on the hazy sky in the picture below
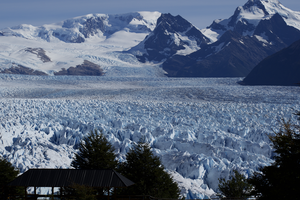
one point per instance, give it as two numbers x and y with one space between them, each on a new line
201 13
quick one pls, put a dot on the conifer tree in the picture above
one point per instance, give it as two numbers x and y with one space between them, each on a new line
95 152
79 192
7 174
148 174
236 186
281 180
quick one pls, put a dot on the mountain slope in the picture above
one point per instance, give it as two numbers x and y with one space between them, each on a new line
97 38
124 44
80 29
229 61
172 35
255 31
282 68
246 18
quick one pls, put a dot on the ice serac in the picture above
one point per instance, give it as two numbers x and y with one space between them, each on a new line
201 129
172 35
256 30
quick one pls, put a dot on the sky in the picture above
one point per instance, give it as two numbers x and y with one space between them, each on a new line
201 13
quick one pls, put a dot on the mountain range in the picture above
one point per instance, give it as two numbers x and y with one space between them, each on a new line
153 41
97 39
255 31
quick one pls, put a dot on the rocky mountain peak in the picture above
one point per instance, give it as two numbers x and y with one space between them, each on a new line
261 4
253 4
246 18
173 23
172 35
87 25
255 31
250 13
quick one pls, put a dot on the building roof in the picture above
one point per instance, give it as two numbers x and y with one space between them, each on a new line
68 177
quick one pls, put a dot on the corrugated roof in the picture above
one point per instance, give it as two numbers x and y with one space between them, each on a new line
67 177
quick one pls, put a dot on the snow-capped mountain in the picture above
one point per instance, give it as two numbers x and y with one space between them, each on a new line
172 35
97 39
80 29
246 18
125 44
256 30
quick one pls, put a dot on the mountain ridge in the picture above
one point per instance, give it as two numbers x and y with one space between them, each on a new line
78 29
156 39
171 35
267 32
247 17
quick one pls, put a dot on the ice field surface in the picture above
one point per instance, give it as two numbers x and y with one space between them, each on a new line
201 128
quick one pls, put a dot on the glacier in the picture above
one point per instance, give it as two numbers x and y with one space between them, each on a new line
201 128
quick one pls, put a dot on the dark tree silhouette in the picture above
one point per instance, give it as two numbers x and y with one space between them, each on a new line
7 174
281 180
146 170
236 186
95 152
